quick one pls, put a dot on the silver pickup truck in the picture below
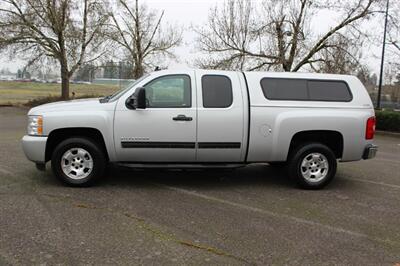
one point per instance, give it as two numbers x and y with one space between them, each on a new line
208 118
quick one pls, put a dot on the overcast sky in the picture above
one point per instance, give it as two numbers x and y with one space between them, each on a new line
195 12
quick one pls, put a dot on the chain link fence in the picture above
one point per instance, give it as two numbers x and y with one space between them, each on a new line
109 73
390 97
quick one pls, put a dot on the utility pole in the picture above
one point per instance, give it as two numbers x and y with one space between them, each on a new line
378 103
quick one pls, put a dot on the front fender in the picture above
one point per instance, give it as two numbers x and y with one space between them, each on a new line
100 120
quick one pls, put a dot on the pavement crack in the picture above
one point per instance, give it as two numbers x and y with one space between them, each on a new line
170 237
166 236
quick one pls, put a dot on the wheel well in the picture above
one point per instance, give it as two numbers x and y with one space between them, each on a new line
330 138
59 135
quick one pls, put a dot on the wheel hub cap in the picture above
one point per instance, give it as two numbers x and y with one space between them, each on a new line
77 163
314 167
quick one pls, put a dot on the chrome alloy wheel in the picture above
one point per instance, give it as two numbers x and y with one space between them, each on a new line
77 163
314 167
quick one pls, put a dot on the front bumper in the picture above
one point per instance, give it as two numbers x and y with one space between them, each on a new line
370 151
34 148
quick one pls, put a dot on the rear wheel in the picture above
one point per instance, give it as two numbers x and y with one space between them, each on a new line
78 162
312 165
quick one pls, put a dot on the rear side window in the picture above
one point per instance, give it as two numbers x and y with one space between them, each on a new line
305 90
285 89
217 91
329 91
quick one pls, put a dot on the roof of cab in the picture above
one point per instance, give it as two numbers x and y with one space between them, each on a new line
268 73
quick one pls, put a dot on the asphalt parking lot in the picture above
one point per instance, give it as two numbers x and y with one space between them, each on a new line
251 215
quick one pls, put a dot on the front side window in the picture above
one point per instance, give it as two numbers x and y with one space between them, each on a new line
217 91
172 91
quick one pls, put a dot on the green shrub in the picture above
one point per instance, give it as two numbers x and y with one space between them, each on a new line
388 120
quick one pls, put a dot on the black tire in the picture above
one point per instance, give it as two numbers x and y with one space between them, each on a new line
300 153
95 154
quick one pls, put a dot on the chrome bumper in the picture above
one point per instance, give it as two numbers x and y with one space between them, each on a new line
34 148
370 152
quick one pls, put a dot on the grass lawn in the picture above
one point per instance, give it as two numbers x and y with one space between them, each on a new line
13 92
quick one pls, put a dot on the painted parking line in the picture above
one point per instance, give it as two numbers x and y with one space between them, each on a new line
395 161
375 182
14 185
294 219
265 212
4 171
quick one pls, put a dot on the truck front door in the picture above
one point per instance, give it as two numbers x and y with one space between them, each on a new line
166 130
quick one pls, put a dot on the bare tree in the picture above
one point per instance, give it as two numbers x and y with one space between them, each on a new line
393 32
278 36
341 56
138 30
67 31
394 25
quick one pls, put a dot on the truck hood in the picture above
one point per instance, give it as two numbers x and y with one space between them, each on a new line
73 105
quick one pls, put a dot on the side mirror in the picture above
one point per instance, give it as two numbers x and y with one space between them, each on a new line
141 98
137 100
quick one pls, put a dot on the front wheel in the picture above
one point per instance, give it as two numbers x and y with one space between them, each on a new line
312 165
78 162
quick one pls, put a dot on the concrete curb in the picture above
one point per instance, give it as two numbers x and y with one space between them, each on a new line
18 105
388 133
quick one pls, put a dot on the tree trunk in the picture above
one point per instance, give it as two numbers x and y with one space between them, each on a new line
64 83
138 71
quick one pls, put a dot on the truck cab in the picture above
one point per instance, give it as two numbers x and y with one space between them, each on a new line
189 117
208 118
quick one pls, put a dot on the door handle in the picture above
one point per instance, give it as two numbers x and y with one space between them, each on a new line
182 118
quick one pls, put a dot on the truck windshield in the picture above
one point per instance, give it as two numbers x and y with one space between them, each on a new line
121 92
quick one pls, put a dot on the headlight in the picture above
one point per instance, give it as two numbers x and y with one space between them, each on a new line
35 125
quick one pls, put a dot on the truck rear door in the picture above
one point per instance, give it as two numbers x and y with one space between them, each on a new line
222 114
